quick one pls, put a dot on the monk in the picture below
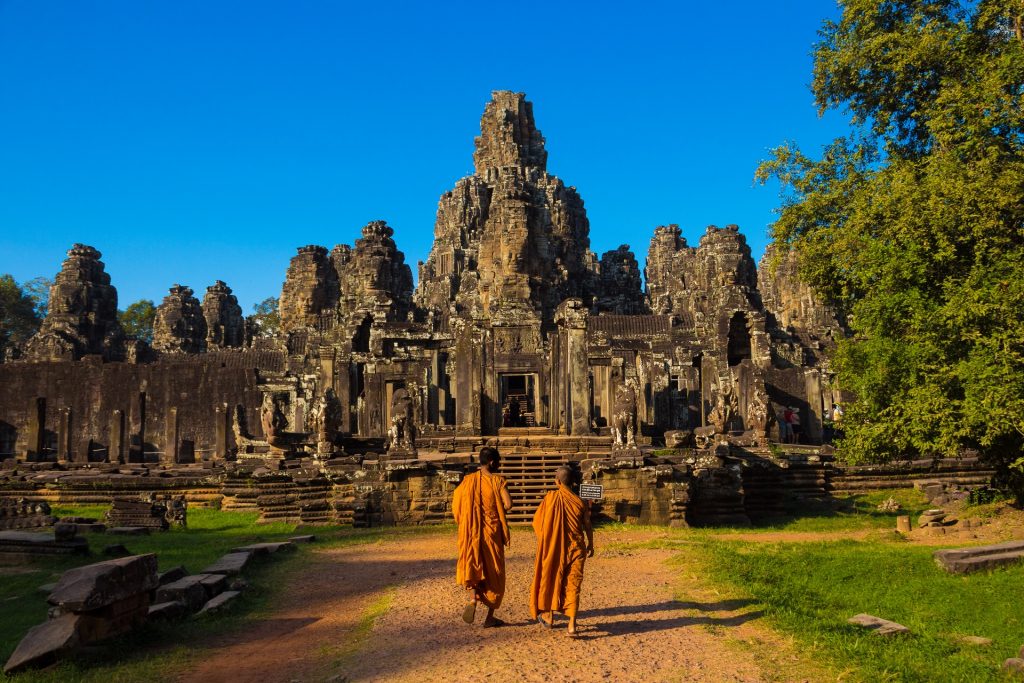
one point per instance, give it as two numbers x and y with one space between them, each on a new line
565 538
480 504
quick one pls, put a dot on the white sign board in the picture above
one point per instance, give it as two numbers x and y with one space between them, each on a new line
591 491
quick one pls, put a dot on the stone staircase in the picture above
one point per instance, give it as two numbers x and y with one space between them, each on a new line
530 476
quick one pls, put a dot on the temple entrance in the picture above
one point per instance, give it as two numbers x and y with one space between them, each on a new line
518 400
739 339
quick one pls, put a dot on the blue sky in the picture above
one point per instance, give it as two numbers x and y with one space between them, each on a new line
198 140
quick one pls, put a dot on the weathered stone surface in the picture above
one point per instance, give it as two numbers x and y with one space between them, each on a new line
173 574
619 289
104 583
306 538
266 548
174 609
966 560
881 627
44 643
179 325
310 290
225 326
189 590
219 602
1014 665
82 315
231 564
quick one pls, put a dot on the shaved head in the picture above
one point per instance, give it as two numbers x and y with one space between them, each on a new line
563 475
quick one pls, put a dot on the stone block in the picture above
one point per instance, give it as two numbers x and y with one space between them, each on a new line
175 609
44 643
965 560
129 530
219 602
266 548
231 564
309 538
173 574
103 583
189 590
881 627
214 584
1014 666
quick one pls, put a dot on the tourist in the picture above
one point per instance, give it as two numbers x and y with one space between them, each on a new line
794 423
480 504
786 426
565 538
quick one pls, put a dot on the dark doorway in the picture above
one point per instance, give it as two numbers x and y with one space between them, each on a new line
739 339
517 404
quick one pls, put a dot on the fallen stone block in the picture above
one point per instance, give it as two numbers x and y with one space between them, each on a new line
214 584
189 590
232 563
44 644
309 538
47 588
965 560
97 585
25 546
975 640
881 627
266 548
173 574
219 602
1014 665
175 609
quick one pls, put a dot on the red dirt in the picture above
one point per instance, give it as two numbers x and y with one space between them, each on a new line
637 622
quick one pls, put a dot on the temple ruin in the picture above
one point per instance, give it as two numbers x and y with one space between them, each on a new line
377 391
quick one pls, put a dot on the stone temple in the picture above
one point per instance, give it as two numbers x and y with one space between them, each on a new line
369 403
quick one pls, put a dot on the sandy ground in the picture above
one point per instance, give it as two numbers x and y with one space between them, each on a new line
641 619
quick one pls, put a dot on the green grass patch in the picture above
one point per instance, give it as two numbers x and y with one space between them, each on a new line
162 650
809 590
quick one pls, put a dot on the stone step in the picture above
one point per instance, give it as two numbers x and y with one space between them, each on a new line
230 564
219 602
965 560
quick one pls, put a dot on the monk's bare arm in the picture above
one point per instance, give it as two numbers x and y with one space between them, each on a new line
506 499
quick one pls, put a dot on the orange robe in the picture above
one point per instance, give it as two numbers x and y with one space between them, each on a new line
483 535
560 524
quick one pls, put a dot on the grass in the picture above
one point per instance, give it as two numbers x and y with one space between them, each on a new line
161 650
809 590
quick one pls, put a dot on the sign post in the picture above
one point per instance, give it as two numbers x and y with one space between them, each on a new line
591 491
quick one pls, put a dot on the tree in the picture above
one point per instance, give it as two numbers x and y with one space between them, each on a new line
18 319
38 289
913 225
266 318
137 320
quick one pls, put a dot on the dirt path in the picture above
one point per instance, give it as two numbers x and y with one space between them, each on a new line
638 622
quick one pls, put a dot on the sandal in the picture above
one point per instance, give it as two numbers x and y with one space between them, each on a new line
469 613
495 622
546 624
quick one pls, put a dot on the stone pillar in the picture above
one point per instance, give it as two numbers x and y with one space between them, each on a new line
467 378
170 456
64 435
34 428
136 428
812 421
222 428
327 370
572 315
115 449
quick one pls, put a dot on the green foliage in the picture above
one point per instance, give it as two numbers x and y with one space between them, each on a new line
137 320
809 590
18 318
266 318
914 225
38 289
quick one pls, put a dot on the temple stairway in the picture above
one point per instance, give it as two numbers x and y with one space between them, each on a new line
529 477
